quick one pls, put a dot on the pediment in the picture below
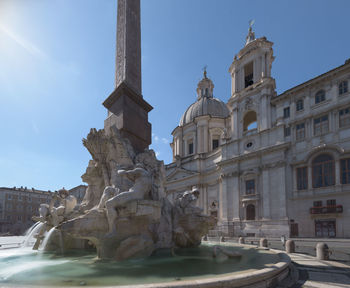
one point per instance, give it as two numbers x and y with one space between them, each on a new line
180 173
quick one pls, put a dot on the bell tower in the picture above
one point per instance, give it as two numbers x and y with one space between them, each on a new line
253 63
251 87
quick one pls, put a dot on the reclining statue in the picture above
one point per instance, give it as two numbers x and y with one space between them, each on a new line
140 190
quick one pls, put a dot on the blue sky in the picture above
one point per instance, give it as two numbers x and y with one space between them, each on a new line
57 67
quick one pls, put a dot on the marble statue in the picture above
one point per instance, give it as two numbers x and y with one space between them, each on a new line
142 186
52 216
125 212
66 206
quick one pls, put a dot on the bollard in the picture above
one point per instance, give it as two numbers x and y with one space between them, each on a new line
290 246
322 251
241 240
222 239
263 242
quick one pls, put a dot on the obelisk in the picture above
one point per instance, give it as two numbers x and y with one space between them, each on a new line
127 109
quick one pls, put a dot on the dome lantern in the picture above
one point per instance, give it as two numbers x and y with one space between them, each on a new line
205 87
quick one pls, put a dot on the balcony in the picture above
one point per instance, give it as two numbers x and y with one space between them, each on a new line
326 209
250 197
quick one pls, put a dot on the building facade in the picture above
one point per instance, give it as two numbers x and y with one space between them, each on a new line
18 205
268 164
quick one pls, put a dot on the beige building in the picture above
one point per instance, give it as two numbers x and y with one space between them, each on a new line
268 164
18 205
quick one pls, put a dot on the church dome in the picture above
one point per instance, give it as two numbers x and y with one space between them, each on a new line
206 104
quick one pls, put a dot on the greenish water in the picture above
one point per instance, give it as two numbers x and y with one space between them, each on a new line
24 266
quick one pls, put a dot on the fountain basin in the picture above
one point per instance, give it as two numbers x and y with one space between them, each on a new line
193 267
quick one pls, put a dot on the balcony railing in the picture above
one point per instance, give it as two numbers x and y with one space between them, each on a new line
326 209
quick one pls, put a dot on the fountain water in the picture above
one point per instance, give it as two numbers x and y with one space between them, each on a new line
29 235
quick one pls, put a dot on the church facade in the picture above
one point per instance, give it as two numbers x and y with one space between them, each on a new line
267 164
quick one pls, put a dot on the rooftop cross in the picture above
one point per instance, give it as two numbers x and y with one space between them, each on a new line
205 71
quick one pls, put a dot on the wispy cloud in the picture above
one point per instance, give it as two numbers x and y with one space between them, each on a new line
165 140
157 153
25 44
155 137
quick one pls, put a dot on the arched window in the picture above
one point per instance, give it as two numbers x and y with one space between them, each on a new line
249 121
320 96
250 212
323 171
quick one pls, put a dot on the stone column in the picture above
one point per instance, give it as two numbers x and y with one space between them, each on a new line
265 194
262 121
263 66
206 139
234 123
337 172
235 200
223 198
309 177
281 176
255 71
200 139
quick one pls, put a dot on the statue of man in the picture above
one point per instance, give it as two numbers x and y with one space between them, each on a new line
142 185
67 204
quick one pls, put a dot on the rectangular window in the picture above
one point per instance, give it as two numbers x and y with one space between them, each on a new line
343 87
321 125
190 148
9 197
331 202
286 112
302 178
300 105
320 96
317 203
215 143
286 131
8 206
344 117
250 187
248 75
300 131
345 171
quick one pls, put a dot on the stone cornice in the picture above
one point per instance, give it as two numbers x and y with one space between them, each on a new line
253 154
312 82
124 89
267 82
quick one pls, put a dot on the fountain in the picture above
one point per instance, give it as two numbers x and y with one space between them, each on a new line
126 231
